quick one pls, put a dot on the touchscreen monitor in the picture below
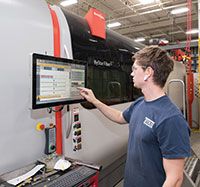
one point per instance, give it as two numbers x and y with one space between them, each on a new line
55 81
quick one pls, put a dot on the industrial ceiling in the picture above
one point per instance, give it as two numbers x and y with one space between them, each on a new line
150 21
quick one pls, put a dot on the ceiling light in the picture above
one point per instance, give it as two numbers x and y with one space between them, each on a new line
114 24
92 40
137 48
163 42
139 39
193 31
124 50
179 10
145 2
68 2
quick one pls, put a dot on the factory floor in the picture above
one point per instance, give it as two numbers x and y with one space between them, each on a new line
195 142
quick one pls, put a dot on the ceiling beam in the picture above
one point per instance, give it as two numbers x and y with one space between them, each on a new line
149 12
154 25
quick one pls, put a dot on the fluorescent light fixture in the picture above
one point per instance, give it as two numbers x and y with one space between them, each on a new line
68 2
145 2
193 31
92 40
124 50
137 48
163 41
150 11
114 24
179 10
139 39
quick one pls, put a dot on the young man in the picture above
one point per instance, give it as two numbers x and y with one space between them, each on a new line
158 133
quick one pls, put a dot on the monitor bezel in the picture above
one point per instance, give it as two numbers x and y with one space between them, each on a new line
36 56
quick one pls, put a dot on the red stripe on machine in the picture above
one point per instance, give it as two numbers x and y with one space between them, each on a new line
58 115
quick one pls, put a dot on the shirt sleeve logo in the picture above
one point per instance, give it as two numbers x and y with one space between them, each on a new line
148 122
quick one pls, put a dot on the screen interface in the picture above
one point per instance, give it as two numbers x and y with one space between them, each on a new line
56 81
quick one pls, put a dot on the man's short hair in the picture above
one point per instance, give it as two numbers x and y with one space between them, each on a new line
158 59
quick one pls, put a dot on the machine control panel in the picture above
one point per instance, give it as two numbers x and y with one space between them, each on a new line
76 130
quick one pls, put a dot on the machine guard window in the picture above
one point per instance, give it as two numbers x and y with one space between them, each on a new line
111 85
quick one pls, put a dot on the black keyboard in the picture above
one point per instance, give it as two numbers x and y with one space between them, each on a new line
71 178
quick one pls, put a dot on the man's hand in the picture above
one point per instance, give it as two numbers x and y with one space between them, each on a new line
108 111
87 94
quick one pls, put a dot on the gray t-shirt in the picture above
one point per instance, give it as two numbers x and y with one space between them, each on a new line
157 130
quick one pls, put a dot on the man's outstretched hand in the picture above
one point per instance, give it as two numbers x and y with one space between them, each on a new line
87 94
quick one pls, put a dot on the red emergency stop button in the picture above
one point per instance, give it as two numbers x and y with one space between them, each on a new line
40 126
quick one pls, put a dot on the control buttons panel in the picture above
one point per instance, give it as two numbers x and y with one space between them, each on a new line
76 130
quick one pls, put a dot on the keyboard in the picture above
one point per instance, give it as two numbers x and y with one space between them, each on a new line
71 178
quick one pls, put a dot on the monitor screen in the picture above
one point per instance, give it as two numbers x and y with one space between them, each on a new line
55 81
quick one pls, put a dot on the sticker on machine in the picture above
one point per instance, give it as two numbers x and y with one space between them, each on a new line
148 122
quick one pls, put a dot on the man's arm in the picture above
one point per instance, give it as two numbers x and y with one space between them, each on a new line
174 172
110 113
